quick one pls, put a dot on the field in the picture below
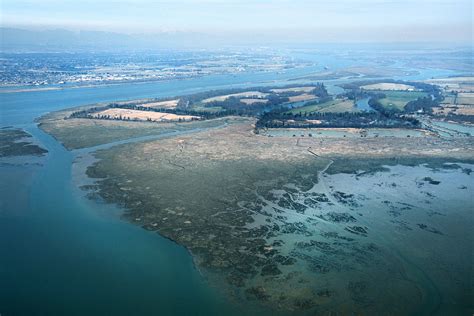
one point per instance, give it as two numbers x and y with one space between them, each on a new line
127 114
465 110
330 106
454 109
388 86
456 84
398 99
253 101
302 97
208 109
465 98
247 94
340 107
170 104
449 100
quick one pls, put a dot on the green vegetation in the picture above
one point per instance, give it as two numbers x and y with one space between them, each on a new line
388 102
342 112
335 120
233 105
210 109
396 100
424 104
335 106
227 102
340 107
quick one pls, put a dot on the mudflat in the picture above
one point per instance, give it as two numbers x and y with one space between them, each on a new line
17 142
285 222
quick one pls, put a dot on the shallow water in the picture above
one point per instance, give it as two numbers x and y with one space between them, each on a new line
412 259
62 256
425 224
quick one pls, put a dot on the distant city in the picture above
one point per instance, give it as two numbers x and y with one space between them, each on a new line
39 69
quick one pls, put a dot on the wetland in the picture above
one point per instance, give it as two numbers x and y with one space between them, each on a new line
289 224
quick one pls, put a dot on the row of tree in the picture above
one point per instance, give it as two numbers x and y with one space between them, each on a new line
346 119
92 112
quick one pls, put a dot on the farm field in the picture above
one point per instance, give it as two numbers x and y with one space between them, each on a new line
455 84
170 104
253 101
449 100
330 106
456 109
246 94
398 99
302 97
340 107
388 86
127 114
465 99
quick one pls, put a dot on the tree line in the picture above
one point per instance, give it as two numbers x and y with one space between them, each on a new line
346 119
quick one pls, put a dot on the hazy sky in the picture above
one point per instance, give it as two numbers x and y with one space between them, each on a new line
350 20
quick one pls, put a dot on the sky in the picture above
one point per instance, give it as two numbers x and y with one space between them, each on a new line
327 20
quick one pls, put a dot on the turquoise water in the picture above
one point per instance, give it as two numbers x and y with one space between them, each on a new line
63 254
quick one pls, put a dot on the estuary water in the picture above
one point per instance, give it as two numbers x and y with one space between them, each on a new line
63 254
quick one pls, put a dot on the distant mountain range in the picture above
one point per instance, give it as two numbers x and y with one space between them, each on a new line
60 40
13 39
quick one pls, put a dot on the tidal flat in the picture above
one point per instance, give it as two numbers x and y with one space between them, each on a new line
372 226
17 142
